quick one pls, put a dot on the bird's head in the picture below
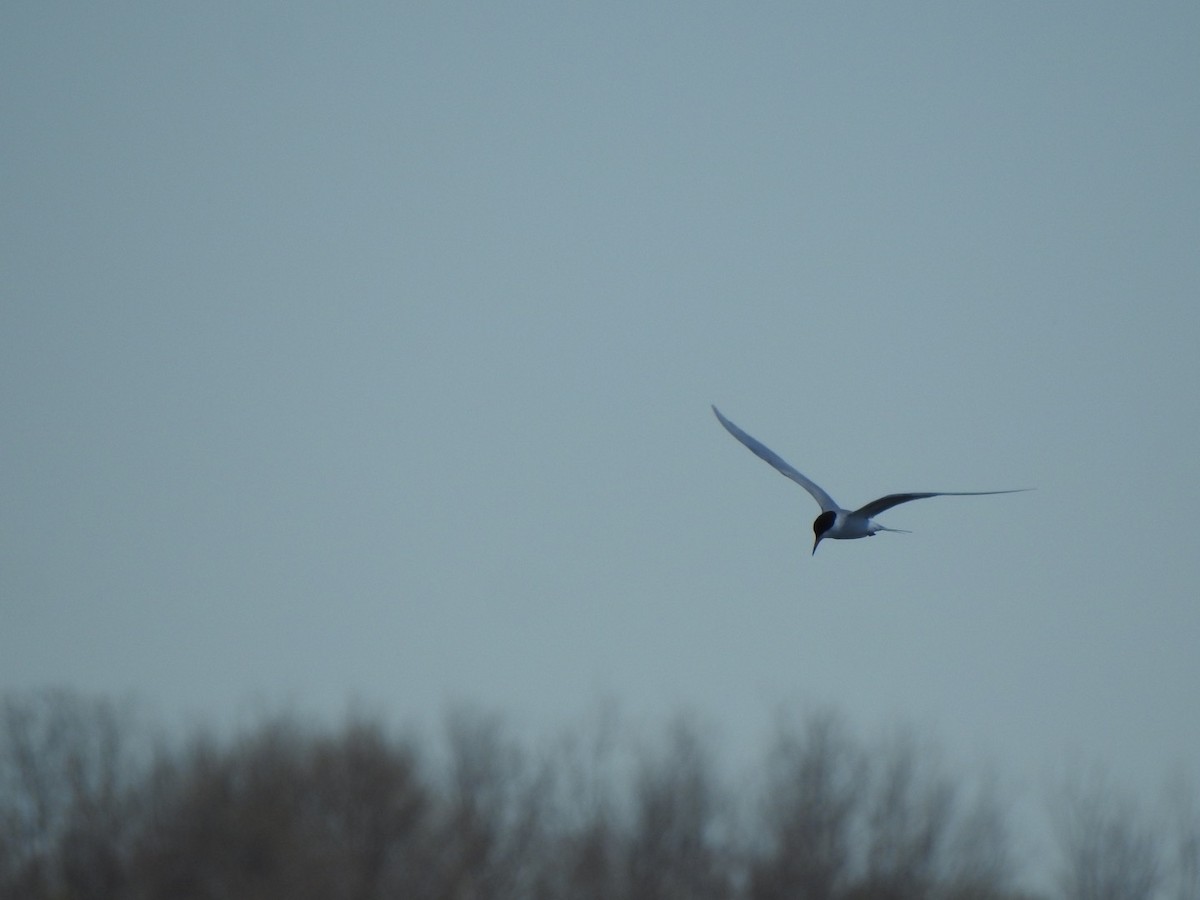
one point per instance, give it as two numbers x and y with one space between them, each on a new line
822 524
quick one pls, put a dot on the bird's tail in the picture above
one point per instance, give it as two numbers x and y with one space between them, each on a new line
879 527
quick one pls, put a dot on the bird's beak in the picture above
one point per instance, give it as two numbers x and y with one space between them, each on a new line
815 543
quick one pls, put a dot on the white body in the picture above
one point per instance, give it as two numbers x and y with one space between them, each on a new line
848 526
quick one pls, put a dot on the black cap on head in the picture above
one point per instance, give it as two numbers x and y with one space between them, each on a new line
822 524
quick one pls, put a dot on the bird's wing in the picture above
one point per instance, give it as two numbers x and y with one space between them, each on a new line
767 454
875 507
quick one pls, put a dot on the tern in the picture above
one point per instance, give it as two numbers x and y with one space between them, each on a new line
834 522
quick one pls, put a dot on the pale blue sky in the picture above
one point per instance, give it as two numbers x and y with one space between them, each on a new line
367 353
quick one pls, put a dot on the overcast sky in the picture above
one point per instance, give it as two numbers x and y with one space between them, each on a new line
366 353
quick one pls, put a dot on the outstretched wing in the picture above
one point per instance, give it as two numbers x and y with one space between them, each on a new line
875 507
766 454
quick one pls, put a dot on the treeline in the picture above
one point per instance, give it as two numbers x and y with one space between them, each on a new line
92 806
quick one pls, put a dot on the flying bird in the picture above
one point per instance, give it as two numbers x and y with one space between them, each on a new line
834 522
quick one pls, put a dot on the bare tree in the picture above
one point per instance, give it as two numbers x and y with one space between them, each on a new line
815 786
979 859
368 806
282 812
1109 852
66 767
285 810
676 849
489 822
842 823
226 822
909 814
582 856
1185 813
